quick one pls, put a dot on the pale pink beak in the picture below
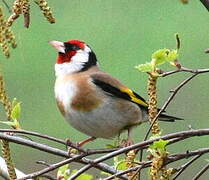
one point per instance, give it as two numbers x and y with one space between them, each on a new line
59 46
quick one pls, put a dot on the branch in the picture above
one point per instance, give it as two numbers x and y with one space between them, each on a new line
55 151
89 151
184 69
170 159
203 170
7 6
4 172
35 145
34 134
205 3
184 166
173 93
140 146
57 165
97 162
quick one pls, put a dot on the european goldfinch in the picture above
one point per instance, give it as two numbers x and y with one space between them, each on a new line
92 101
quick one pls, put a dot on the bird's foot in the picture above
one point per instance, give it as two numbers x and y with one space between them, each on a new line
85 141
76 148
127 142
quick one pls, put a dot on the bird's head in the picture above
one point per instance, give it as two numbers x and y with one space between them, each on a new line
73 56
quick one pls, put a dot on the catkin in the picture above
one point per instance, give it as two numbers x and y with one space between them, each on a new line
17 10
46 10
130 163
3 42
7 157
152 92
26 12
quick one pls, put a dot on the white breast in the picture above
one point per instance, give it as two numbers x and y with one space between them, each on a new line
105 121
64 92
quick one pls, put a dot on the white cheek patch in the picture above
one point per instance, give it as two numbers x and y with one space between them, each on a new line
76 64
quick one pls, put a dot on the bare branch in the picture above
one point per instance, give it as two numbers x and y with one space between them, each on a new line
34 134
137 168
171 158
203 170
184 166
7 6
34 145
73 145
205 3
184 69
173 93
55 151
140 146
97 162
4 172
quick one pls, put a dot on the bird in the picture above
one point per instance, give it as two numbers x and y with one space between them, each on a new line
92 101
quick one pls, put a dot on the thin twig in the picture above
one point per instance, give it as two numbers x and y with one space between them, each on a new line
205 3
184 69
171 158
207 51
137 168
4 173
104 167
184 166
139 146
51 167
34 145
44 137
73 145
55 151
7 6
173 93
35 134
203 170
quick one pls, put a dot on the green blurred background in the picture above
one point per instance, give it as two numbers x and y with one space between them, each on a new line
123 34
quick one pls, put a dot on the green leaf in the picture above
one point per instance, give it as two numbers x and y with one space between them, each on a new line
159 144
110 146
9 123
83 176
15 114
14 124
121 165
173 55
145 67
64 171
105 173
160 56
164 55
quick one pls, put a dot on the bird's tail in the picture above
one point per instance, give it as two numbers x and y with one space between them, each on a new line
167 118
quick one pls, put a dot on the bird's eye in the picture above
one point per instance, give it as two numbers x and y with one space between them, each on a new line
75 48
71 47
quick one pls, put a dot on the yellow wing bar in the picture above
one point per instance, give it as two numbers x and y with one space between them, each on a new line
134 97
